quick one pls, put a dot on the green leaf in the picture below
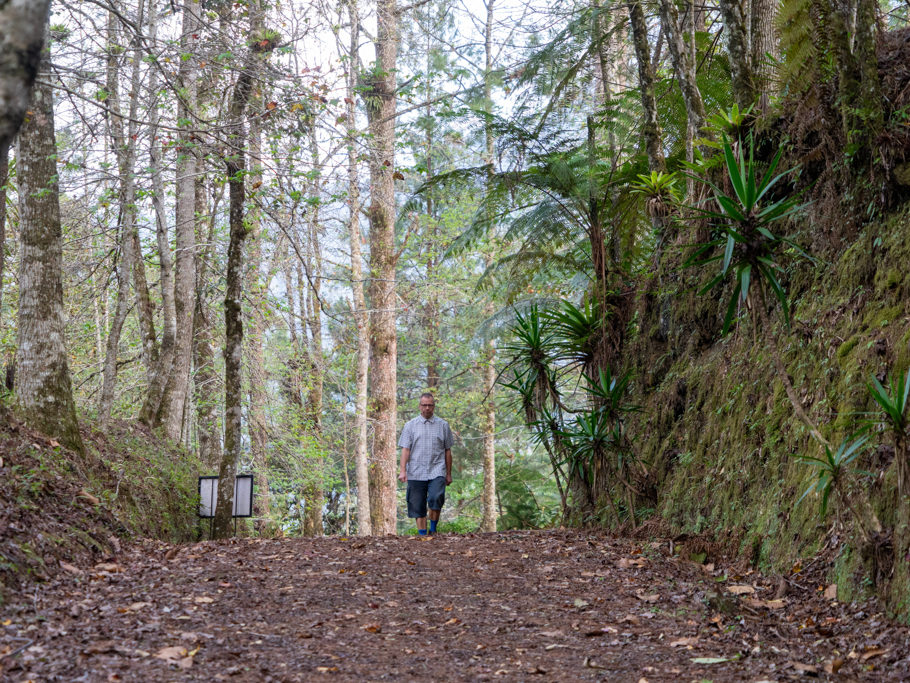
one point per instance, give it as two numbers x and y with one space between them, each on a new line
734 171
731 310
728 253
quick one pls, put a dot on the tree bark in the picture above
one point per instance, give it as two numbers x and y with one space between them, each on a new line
174 395
314 495
379 97
4 173
765 49
207 383
23 26
235 162
490 508
43 389
361 317
650 129
165 361
123 142
256 293
683 64
737 19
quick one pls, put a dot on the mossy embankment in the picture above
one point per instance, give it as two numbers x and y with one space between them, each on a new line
720 434
62 512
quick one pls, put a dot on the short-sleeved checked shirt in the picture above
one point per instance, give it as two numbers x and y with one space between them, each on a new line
428 441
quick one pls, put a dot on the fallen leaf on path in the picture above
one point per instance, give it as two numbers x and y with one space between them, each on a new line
551 634
100 648
651 597
88 496
869 654
110 567
804 668
65 566
581 603
684 642
740 590
203 600
831 592
629 563
601 631
450 622
326 669
373 628
709 660
833 666
135 607
172 653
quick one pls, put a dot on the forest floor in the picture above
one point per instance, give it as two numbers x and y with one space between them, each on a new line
536 605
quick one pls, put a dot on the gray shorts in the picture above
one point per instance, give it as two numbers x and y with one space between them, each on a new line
425 493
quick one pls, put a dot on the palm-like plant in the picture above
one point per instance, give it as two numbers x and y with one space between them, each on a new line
749 247
893 402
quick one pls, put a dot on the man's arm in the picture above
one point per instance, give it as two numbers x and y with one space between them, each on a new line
448 466
405 456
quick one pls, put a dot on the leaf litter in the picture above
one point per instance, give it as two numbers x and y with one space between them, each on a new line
525 605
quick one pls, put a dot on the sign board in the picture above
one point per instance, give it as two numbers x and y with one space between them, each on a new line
242 499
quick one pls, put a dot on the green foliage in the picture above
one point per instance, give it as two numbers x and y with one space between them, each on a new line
893 400
833 469
745 245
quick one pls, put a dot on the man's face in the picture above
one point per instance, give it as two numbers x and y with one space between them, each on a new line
427 406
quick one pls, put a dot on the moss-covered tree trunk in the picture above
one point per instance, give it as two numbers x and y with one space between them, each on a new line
43 389
22 33
650 129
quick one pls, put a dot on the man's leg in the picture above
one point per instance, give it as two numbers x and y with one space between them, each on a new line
417 504
436 498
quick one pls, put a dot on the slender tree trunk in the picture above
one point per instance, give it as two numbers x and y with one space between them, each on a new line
174 394
233 314
123 142
207 381
314 494
43 389
361 317
650 129
379 97
165 361
490 509
4 173
256 292
235 163
683 64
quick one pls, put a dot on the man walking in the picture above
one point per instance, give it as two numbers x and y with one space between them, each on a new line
426 464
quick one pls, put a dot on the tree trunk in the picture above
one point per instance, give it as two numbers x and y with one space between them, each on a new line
490 508
765 50
165 362
361 317
123 141
683 64
737 19
379 97
314 495
43 390
4 172
176 384
256 293
650 129
235 163
207 384
23 26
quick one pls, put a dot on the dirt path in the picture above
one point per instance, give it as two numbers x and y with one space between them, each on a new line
549 606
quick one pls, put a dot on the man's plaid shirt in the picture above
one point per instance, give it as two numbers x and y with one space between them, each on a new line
428 441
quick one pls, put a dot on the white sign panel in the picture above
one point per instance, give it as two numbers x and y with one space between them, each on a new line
242 498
